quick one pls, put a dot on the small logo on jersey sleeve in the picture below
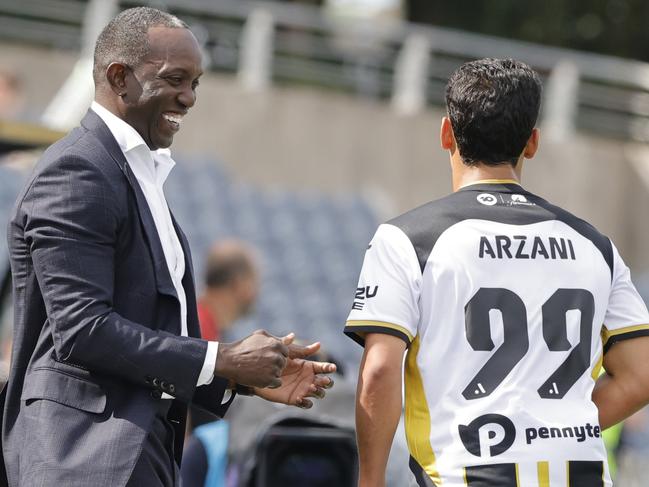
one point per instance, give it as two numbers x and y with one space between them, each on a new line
488 436
487 199
363 293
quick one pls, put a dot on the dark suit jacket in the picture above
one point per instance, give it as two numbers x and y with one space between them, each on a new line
97 321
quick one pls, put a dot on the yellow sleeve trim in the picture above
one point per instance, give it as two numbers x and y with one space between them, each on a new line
607 334
380 324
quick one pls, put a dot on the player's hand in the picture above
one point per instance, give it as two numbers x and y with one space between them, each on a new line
258 360
301 380
300 351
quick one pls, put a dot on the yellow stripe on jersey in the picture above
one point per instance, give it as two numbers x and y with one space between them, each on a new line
518 478
597 370
380 324
543 473
417 416
608 334
492 181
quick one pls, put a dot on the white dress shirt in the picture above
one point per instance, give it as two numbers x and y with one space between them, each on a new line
151 169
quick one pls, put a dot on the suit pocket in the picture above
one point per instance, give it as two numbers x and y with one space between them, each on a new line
64 388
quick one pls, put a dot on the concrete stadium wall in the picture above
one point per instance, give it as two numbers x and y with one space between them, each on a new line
316 140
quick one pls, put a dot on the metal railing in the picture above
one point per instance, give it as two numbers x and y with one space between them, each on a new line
407 64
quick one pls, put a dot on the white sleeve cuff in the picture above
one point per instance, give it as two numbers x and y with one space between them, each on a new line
226 396
207 372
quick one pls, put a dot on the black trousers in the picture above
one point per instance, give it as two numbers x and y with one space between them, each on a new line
156 466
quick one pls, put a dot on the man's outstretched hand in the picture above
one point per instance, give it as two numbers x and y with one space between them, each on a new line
258 360
301 379
275 367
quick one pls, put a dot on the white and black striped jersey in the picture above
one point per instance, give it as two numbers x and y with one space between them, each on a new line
507 304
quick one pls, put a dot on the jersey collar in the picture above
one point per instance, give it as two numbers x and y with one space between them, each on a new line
499 185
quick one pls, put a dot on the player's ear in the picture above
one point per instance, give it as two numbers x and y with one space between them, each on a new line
532 144
116 74
446 136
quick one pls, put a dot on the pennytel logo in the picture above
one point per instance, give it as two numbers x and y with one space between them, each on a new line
488 435
487 199
579 433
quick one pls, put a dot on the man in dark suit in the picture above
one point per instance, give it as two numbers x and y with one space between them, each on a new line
106 356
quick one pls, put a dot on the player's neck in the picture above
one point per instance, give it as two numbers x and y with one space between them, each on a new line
464 175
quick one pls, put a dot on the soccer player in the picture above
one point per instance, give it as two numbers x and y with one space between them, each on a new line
507 306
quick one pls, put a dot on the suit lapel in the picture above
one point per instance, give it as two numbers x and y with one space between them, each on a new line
164 284
193 328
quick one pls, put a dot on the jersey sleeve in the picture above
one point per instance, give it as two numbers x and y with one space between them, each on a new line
626 315
387 296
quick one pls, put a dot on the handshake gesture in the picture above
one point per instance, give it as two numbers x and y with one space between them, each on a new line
275 368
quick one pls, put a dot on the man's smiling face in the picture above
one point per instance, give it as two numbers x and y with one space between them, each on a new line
162 88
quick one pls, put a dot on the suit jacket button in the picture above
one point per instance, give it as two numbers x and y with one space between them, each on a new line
156 394
172 388
163 385
148 379
156 382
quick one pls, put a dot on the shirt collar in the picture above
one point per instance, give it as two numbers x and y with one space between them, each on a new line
128 139
126 136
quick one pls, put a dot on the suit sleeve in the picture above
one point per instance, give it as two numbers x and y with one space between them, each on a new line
387 296
626 314
71 222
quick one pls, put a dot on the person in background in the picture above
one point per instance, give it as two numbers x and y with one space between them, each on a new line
11 95
231 287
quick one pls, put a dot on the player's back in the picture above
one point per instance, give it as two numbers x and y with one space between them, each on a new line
502 298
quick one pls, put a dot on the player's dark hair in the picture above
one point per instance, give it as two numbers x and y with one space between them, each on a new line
493 105
125 38
222 270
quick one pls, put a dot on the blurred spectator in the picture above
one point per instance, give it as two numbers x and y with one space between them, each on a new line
231 287
11 96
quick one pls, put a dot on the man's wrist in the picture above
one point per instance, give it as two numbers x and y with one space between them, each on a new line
222 364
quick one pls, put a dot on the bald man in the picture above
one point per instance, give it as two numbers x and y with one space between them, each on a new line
231 287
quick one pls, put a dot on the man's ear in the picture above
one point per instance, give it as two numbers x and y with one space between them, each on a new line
532 144
446 136
116 76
